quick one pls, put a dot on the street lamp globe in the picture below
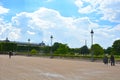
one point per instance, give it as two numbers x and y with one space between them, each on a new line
28 40
51 36
92 32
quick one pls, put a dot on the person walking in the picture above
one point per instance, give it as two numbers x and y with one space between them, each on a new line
112 60
10 54
105 59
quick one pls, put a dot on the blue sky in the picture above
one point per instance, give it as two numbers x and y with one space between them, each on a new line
69 21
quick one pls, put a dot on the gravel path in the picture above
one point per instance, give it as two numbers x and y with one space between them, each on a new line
37 68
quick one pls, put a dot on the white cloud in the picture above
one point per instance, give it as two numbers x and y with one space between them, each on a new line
14 34
84 9
21 19
87 9
2 26
79 3
7 30
110 9
3 10
117 28
31 33
106 35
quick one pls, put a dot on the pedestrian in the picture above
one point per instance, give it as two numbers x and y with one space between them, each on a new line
105 59
10 54
112 60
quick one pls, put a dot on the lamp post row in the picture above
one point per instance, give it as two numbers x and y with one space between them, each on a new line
51 37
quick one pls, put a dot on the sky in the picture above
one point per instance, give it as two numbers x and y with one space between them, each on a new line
68 21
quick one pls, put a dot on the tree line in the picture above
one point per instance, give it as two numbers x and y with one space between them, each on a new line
59 48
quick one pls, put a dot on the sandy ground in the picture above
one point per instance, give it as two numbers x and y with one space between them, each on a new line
37 68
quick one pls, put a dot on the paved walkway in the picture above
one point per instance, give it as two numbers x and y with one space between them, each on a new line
37 68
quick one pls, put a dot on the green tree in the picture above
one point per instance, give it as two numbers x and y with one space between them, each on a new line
74 50
109 50
97 49
116 47
0 47
22 48
34 52
45 49
8 46
84 50
63 49
55 46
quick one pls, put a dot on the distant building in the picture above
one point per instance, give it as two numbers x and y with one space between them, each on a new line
42 44
7 40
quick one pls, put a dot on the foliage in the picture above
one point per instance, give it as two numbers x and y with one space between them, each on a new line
45 49
84 50
26 48
22 48
97 49
34 52
109 50
74 50
8 46
116 47
55 46
63 49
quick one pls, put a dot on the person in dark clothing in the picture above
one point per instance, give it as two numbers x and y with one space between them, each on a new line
10 54
112 60
105 59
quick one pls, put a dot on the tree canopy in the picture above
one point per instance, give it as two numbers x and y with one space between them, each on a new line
8 46
62 49
97 49
84 50
109 50
116 47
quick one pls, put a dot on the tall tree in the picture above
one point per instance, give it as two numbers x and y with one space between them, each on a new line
63 49
84 50
108 50
55 46
97 49
116 47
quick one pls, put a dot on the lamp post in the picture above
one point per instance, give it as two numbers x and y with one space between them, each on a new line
51 37
92 53
28 46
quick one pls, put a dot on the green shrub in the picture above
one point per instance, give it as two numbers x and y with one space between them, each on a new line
34 52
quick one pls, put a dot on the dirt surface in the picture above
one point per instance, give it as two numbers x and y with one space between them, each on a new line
37 68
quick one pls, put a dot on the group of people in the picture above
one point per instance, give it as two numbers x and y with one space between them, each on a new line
106 60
